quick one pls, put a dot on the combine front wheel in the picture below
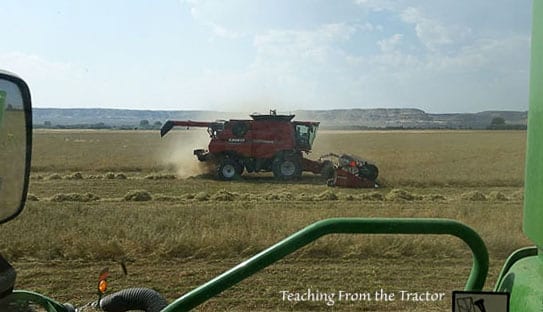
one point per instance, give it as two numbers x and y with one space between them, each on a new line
229 169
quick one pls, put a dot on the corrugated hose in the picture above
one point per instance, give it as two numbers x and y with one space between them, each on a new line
144 299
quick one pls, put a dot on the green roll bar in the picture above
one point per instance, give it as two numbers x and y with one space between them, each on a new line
316 230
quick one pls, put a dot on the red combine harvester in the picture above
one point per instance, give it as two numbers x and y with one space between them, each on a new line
273 143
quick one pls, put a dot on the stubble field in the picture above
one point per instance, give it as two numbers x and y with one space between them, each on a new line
99 198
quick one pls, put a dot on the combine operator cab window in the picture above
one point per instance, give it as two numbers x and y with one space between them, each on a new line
305 135
215 128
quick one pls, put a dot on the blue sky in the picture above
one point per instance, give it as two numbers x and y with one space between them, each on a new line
255 55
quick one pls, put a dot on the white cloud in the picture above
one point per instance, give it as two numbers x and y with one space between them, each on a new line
311 69
377 5
51 82
65 84
431 32
504 55
33 66
313 45
217 30
412 54
390 44
460 67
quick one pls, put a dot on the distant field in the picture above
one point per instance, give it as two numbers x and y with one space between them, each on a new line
83 215
409 158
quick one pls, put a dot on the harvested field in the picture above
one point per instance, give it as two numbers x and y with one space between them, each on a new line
176 232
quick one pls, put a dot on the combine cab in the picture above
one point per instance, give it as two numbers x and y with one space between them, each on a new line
265 143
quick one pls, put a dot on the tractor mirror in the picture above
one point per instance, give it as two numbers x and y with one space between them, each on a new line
15 144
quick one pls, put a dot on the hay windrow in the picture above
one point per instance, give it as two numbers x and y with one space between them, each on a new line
278 196
202 196
138 195
54 176
473 196
304 197
120 176
248 197
271 196
32 197
373 196
518 195
402 195
434 197
74 197
74 176
497 196
326 195
224 195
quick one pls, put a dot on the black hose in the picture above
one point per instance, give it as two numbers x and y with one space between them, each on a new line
144 299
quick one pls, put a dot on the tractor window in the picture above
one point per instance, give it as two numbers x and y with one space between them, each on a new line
305 135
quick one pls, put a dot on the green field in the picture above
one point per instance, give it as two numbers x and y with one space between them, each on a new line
99 198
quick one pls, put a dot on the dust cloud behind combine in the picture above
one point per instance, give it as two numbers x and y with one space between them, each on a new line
178 152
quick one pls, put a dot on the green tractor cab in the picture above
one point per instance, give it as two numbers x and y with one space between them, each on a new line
522 274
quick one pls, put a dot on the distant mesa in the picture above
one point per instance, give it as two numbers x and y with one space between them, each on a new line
377 118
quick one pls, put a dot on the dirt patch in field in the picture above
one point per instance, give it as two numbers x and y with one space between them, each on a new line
138 195
75 197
